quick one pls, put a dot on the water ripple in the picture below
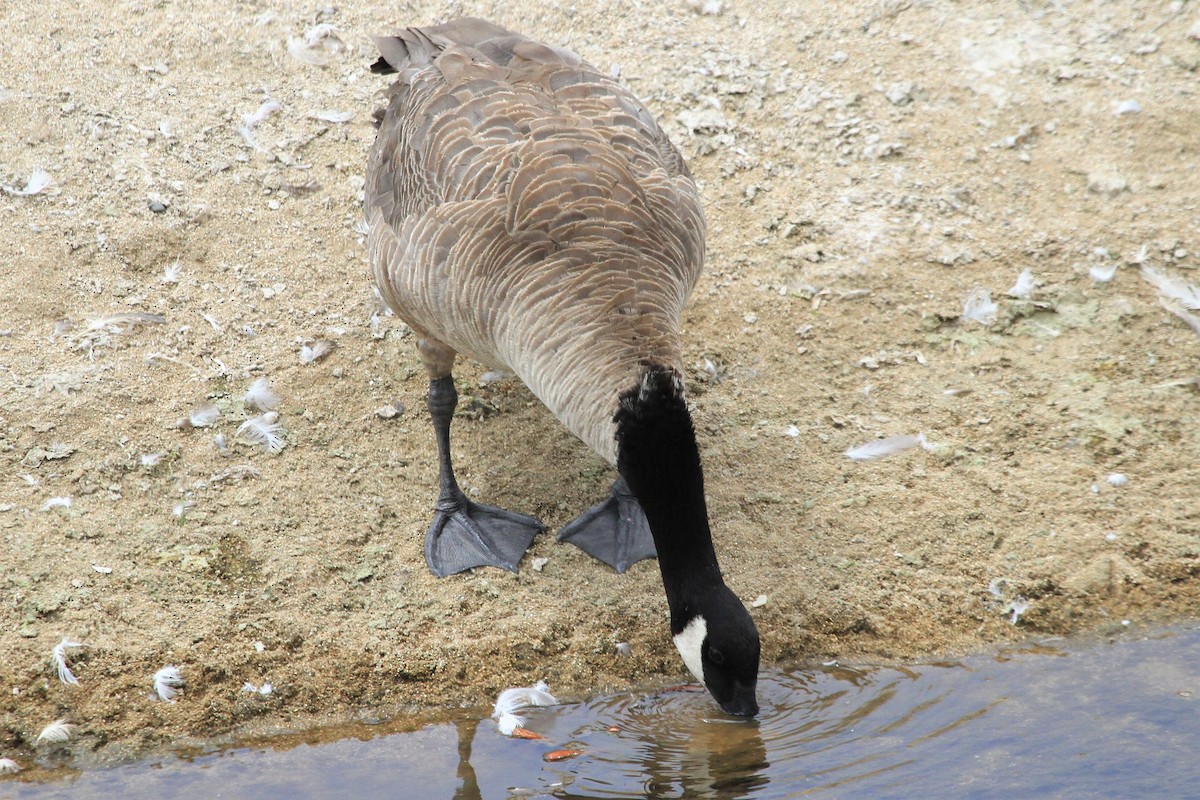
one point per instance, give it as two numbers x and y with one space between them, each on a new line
818 729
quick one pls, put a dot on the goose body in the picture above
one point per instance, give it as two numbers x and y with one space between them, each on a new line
539 173
528 212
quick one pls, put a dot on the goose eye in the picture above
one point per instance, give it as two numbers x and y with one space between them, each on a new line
715 656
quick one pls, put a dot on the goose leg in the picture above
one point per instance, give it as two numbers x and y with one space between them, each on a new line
615 530
464 534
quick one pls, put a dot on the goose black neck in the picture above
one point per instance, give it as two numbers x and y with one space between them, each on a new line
658 457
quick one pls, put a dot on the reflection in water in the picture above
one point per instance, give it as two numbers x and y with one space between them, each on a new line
468 787
720 758
1037 721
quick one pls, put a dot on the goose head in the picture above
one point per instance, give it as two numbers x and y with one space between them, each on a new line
719 644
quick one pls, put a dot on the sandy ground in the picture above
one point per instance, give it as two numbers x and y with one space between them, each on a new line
864 168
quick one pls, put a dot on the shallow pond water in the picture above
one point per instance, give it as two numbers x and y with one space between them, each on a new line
1112 719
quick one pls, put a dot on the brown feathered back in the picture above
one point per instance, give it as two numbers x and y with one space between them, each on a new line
528 212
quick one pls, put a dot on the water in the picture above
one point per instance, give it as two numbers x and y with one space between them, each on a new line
1052 720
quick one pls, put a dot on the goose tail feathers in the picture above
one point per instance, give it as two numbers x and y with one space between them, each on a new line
416 48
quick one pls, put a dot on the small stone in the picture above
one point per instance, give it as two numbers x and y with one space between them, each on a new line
899 93
1102 182
391 411
157 205
1128 107
809 251
623 649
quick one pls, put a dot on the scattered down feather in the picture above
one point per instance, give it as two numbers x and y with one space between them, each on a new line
1176 295
9 767
251 121
56 502
316 351
167 683
39 179
126 320
319 42
262 396
516 698
1172 305
264 430
264 690
201 417
978 307
512 700
336 117
1103 273
1024 286
1173 288
508 723
881 448
1016 608
58 731
59 656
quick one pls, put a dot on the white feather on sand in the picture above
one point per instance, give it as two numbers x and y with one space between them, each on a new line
264 430
978 307
882 448
1173 288
58 731
59 656
262 396
167 683
1024 286
39 179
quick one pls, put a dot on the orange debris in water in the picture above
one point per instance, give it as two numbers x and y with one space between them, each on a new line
525 733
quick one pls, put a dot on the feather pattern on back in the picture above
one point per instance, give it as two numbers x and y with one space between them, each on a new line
527 211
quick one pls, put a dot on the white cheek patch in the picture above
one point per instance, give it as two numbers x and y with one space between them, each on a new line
689 642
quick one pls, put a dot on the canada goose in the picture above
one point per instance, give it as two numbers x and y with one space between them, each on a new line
528 212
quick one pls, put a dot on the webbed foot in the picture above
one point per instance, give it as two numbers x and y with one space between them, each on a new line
465 535
615 530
